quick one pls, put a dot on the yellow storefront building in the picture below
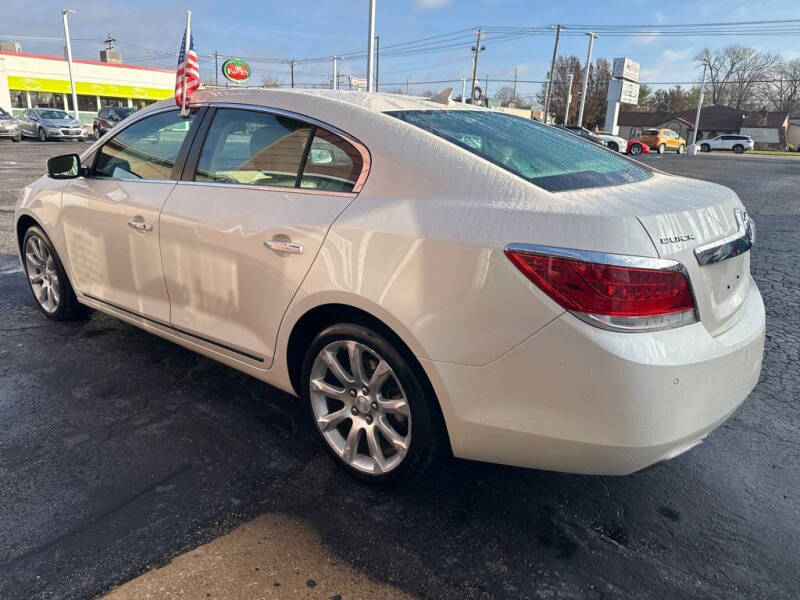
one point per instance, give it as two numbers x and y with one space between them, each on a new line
35 80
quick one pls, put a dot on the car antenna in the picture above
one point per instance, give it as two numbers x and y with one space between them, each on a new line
444 97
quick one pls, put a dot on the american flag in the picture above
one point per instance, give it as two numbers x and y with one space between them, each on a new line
188 74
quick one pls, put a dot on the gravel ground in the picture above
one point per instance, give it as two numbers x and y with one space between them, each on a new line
119 450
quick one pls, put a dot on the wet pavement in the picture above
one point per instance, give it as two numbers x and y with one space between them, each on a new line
119 450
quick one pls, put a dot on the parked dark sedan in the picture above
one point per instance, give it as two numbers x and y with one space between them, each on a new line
107 117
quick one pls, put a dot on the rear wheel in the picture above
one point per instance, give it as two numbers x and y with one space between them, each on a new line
369 405
47 279
705 148
738 148
17 139
613 146
662 148
636 149
681 149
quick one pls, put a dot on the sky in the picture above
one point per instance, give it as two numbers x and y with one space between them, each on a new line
149 31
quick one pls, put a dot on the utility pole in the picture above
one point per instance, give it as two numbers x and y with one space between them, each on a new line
514 95
479 35
377 61
335 80
291 65
550 76
463 91
569 98
592 36
64 14
486 91
216 68
370 42
406 86
697 116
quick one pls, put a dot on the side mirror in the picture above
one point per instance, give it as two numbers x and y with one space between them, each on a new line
65 166
34 118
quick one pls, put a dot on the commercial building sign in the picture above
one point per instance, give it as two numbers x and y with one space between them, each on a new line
61 86
625 68
620 90
236 70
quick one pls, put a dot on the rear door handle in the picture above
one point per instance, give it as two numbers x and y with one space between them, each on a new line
140 226
283 246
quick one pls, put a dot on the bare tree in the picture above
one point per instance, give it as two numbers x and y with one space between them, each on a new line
270 81
507 96
736 74
783 93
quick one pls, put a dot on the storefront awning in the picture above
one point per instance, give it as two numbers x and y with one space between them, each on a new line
39 84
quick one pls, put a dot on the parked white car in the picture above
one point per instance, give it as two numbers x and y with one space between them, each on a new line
426 277
613 142
734 143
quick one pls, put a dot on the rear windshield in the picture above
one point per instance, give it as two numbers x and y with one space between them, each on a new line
546 156
650 132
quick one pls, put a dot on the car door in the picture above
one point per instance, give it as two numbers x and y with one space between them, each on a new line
110 218
240 232
25 122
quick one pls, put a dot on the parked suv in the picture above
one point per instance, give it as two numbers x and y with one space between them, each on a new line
107 117
662 140
735 143
9 128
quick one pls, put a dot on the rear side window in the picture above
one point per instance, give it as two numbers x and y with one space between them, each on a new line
147 149
333 165
546 156
253 148
248 147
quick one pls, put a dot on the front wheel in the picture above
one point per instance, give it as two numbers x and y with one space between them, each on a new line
681 149
47 279
636 149
42 135
738 148
17 139
369 405
705 148
662 148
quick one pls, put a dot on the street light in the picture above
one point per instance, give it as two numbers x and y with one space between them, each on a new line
64 14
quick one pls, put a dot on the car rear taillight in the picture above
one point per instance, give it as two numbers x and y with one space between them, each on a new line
618 292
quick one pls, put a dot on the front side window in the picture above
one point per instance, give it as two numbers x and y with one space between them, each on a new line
253 148
541 154
146 149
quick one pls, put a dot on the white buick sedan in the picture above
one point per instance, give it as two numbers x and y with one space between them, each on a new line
426 277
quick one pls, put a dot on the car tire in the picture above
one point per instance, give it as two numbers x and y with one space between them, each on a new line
705 148
47 279
681 149
389 434
42 135
738 149
613 146
98 134
662 148
17 139
636 149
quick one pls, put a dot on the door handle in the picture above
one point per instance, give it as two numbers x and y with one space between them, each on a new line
140 226
283 246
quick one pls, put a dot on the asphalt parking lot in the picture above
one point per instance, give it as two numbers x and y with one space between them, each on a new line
119 450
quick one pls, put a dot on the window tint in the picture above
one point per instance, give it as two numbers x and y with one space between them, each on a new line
544 155
650 132
146 149
333 165
252 148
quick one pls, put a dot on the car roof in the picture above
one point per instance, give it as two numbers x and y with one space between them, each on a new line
374 102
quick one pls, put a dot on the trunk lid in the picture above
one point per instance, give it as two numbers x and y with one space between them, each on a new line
681 215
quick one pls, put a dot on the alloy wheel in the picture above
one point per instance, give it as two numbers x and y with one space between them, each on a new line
42 135
360 407
42 274
636 149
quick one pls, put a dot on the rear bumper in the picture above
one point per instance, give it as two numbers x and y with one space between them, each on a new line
579 399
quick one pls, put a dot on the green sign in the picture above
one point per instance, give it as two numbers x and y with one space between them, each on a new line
235 69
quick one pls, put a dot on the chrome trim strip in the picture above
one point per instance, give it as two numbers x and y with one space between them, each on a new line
603 258
730 246
621 324
175 329
366 161
268 188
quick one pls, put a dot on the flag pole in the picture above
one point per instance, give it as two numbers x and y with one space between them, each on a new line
186 44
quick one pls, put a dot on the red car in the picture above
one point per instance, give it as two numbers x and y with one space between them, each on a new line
636 147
